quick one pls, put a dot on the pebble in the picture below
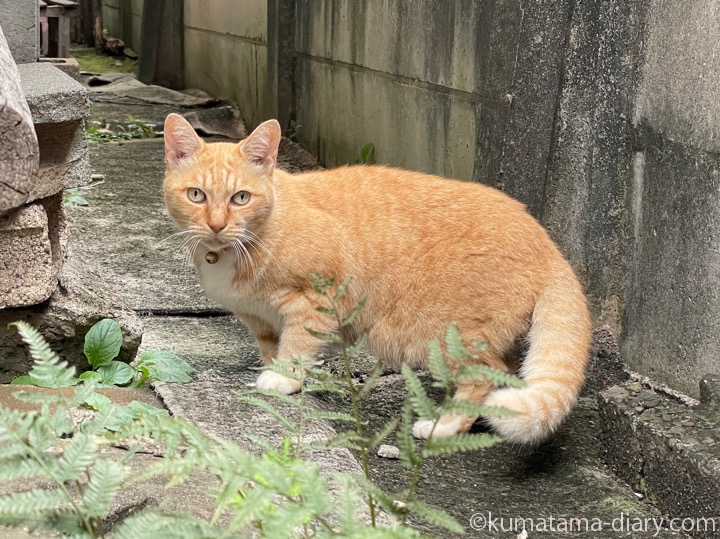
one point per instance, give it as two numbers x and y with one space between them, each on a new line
388 452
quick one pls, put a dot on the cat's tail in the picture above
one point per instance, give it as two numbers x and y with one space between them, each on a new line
554 367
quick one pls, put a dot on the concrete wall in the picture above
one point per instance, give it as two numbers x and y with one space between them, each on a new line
400 74
226 52
603 117
672 320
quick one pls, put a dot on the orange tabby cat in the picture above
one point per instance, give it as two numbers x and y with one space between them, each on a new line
427 251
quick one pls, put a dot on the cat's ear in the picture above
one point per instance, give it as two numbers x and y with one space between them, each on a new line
261 147
181 141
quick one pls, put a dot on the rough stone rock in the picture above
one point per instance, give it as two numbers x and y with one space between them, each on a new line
19 19
31 252
669 452
19 152
52 95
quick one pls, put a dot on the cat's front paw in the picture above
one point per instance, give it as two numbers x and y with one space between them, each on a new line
445 427
274 381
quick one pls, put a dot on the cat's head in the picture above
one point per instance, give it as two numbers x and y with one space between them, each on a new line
221 192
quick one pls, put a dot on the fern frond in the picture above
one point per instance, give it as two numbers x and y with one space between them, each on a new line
405 439
464 407
347 501
292 400
347 440
349 319
434 515
32 504
152 525
106 477
422 405
498 378
441 373
371 380
323 415
78 455
265 406
20 467
459 443
48 370
386 430
454 343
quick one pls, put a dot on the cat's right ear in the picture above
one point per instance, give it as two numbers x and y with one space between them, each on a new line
181 141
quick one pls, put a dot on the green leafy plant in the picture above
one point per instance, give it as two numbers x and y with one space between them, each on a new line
135 129
279 493
293 131
74 197
102 345
404 503
367 154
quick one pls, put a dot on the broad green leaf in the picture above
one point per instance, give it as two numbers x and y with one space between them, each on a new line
25 380
90 375
140 409
103 342
98 402
116 373
165 366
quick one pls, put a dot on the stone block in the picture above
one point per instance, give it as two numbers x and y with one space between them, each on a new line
64 158
666 450
64 320
19 21
69 66
52 95
31 252
19 154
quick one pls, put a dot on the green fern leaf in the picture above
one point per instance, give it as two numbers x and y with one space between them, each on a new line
454 342
32 504
464 407
483 373
323 415
21 468
106 477
48 370
370 381
459 443
342 289
441 373
264 405
405 439
435 516
386 430
152 525
348 500
78 455
422 405
349 319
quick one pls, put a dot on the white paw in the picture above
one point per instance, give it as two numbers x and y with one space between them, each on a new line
274 381
445 427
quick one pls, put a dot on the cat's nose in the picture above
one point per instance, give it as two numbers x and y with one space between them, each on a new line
216 227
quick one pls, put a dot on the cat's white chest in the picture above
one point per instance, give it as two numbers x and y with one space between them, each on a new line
217 282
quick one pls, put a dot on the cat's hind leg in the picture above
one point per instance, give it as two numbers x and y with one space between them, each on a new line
450 424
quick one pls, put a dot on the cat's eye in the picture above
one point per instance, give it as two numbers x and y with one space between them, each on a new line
195 195
241 198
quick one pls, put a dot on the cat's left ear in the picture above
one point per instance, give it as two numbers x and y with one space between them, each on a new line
181 141
261 147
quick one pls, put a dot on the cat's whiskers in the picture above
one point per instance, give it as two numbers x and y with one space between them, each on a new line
246 256
173 236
